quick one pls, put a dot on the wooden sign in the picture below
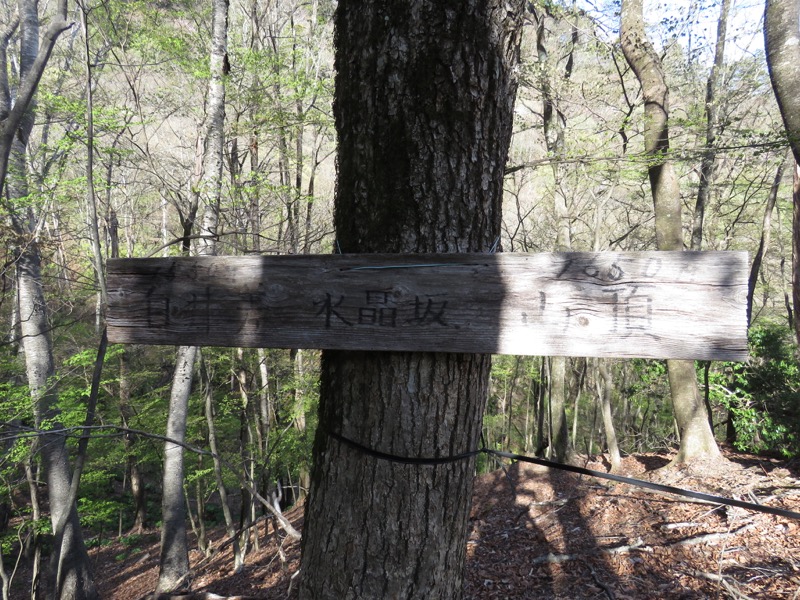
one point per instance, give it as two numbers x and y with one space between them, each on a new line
648 304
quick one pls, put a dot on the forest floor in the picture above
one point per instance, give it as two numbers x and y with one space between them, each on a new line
540 533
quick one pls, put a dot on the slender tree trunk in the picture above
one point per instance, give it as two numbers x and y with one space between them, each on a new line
33 546
238 559
5 578
424 105
542 436
796 247
296 357
125 409
763 243
605 388
174 563
696 438
787 303
561 445
554 122
72 576
174 557
781 19
712 129
91 196
249 446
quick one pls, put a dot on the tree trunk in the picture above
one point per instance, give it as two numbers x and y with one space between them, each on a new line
763 243
781 42
174 559
554 122
796 248
781 18
297 399
423 107
33 545
605 387
174 563
91 196
238 558
560 445
712 129
72 576
73 571
696 438
126 412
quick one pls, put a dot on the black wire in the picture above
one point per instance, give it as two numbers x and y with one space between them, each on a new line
406 460
439 460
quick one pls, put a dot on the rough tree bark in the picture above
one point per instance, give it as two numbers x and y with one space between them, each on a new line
697 438
174 559
423 107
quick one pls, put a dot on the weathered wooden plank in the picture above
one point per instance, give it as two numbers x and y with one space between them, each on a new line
646 304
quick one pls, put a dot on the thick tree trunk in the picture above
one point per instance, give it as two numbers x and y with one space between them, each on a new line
697 438
423 106
73 576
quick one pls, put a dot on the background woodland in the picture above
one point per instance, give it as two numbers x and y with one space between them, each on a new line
117 165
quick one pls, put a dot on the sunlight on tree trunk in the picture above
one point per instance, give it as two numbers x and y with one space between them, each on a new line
708 164
174 563
782 44
696 438
70 574
554 123
424 106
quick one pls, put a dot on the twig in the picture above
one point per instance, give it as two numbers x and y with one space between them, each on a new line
722 580
291 582
671 526
609 592
637 545
709 538
196 596
551 558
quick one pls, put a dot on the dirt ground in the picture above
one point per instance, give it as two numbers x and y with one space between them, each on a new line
539 533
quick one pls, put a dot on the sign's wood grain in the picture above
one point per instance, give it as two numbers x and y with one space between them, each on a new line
647 304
